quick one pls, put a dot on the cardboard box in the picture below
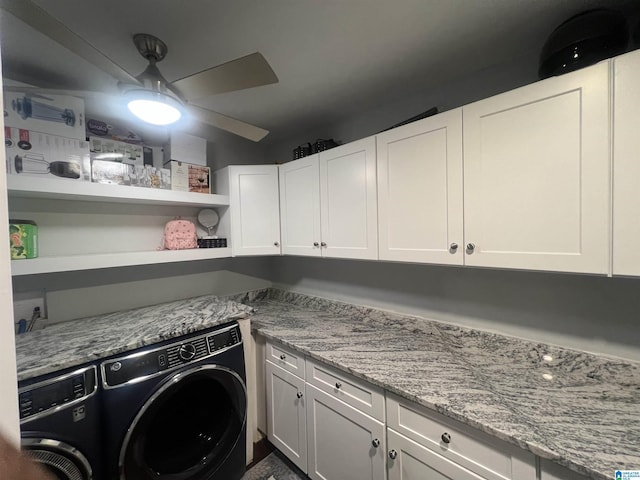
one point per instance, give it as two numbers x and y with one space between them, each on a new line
113 173
151 177
23 239
187 148
38 154
190 178
51 114
115 151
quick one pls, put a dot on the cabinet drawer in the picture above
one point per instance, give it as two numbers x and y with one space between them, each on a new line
478 452
359 394
552 471
286 358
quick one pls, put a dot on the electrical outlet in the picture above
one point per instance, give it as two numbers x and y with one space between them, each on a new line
24 306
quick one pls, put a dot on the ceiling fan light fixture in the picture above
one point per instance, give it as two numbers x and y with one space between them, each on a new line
154 107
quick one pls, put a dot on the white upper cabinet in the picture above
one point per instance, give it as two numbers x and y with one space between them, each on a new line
348 203
328 204
626 165
300 207
537 175
420 212
255 212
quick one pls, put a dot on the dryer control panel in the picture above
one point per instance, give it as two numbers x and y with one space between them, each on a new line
145 364
56 393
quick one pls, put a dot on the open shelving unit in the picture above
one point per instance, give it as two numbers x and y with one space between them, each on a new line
34 187
71 239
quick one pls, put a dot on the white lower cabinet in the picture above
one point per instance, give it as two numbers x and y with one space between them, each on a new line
453 450
343 443
408 460
286 418
552 471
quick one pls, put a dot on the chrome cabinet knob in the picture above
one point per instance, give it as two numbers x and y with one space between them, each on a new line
323 244
299 394
375 442
470 247
393 454
283 356
446 438
453 247
276 244
316 244
338 385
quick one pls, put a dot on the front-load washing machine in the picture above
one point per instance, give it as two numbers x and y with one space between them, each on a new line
60 422
176 410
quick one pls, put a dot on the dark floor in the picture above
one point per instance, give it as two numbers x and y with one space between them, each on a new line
274 467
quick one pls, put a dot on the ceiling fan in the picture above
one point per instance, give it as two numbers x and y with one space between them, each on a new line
150 86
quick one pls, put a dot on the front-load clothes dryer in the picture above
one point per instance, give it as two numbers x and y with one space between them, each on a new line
60 422
177 410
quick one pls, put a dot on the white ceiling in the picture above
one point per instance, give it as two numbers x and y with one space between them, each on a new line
333 57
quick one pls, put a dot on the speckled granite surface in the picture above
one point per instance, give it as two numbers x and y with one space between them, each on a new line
68 344
579 410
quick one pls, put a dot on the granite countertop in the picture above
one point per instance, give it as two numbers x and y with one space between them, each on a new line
579 410
576 409
68 344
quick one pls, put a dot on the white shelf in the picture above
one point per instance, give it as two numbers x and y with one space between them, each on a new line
110 260
35 187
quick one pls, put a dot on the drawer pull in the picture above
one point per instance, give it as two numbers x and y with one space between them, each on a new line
299 394
393 454
446 438
283 356
375 442
338 385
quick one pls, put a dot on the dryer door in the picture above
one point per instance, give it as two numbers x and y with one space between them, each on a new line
188 427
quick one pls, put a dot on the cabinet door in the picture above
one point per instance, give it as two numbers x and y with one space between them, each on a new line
286 420
255 211
344 443
300 207
537 175
420 191
348 203
409 460
552 471
626 165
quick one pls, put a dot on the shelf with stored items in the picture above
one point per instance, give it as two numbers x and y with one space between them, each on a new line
86 226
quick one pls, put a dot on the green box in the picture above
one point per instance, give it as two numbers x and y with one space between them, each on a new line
23 239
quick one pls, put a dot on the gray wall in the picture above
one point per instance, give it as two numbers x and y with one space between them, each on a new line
595 314
73 295
397 107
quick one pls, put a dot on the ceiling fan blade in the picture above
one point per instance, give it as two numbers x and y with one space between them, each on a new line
40 20
237 127
244 72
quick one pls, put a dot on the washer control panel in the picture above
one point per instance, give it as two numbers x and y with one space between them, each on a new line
56 392
141 365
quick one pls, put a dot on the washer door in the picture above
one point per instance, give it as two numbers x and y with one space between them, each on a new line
63 461
188 427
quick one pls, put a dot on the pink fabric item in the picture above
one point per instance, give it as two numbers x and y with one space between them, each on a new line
180 235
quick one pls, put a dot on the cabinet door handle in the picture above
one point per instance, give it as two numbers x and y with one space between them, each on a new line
283 356
299 394
453 247
375 442
323 244
276 244
446 438
338 385
393 454
316 244
470 247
